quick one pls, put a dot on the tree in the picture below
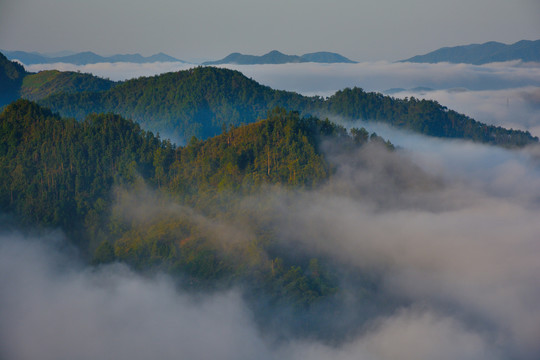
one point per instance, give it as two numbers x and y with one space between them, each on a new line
104 253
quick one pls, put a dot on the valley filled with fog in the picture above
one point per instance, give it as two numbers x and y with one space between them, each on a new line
444 230
447 227
289 180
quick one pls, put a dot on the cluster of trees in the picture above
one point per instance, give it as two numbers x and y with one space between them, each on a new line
11 78
59 172
423 116
198 102
16 82
44 83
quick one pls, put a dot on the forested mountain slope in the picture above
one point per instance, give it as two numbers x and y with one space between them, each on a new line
16 82
83 176
44 83
11 78
58 172
201 101
196 102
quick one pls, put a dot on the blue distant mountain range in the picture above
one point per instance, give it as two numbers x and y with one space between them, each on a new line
276 57
478 54
85 58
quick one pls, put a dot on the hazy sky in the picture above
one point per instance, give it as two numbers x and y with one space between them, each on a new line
198 29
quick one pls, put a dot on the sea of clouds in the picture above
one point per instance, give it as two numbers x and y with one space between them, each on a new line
449 226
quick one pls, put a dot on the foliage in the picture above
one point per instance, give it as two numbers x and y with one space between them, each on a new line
62 173
283 149
44 83
11 77
198 102
423 116
59 172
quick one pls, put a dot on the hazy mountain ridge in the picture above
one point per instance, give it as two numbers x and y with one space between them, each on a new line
276 57
85 58
44 83
478 54
199 102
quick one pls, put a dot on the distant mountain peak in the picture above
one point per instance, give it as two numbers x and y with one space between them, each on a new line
277 57
275 52
86 57
478 54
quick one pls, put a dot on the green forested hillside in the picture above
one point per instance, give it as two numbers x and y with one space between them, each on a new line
83 176
16 82
196 102
200 101
422 116
44 83
11 77
59 172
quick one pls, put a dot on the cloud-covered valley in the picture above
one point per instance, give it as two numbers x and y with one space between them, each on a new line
448 227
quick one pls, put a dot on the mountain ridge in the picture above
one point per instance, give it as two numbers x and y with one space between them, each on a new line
200 101
86 57
277 57
479 54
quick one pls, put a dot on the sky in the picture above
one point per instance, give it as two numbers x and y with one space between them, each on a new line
196 30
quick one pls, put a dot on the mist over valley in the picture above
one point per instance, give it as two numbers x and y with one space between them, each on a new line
370 210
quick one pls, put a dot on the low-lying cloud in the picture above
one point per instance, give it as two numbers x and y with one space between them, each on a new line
468 249
52 310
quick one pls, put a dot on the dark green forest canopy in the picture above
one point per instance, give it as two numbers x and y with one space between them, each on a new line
54 170
196 102
57 172
44 83
11 78
16 82
200 101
